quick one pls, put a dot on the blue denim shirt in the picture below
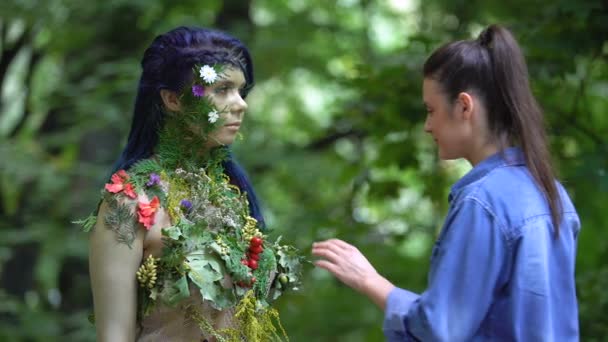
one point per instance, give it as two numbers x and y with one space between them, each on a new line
497 271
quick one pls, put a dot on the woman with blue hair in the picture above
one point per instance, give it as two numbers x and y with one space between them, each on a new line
178 245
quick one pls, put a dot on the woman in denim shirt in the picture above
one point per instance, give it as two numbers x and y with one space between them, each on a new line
503 266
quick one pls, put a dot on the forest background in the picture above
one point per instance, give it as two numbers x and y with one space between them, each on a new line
333 138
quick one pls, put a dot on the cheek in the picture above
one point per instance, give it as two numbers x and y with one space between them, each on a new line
216 100
222 107
223 134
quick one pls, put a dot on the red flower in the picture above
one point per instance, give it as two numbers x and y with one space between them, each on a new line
129 190
119 184
146 211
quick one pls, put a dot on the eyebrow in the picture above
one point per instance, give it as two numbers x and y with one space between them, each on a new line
230 83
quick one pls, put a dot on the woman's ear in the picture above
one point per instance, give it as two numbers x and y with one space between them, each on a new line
170 100
467 105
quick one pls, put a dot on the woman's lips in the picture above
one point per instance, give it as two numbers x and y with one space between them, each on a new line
234 125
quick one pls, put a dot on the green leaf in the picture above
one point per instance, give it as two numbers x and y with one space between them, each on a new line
172 232
87 223
204 268
175 292
207 271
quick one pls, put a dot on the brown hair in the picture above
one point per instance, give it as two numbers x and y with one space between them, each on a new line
493 67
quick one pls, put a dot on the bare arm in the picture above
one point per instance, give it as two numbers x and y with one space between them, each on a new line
112 268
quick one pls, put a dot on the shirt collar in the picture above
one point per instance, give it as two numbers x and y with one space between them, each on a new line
506 157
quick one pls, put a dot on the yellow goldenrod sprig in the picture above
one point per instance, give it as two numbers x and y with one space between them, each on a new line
258 325
223 246
250 230
146 274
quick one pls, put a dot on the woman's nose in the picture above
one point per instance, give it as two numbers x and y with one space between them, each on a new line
239 106
427 125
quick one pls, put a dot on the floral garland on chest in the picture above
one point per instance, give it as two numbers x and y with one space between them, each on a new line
213 245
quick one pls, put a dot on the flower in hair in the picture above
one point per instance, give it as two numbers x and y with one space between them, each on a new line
208 74
198 90
213 116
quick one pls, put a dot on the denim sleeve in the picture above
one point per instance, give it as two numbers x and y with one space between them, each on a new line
465 270
398 302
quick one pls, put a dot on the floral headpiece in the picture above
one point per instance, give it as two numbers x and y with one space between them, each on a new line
196 102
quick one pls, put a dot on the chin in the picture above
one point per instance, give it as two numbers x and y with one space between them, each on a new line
447 156
227 142
450 157
223 140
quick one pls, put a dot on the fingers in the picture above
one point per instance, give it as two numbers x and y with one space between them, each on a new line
342 244
339 259
328 252
333 255
334 250
337 243
324 264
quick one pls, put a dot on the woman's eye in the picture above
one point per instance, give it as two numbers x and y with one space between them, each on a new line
222 90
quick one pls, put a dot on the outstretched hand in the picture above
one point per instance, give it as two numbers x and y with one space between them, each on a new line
352 268
344 261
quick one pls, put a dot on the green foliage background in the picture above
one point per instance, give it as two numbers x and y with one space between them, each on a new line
334 140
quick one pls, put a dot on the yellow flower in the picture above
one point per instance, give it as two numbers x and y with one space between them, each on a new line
146 274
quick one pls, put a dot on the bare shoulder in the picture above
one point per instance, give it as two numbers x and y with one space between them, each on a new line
117 223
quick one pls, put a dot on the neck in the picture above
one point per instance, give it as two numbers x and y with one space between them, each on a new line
486 148
483 153
180 147
486 143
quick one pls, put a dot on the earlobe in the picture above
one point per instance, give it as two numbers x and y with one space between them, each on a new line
170 100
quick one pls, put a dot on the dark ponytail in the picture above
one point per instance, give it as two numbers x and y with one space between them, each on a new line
493 66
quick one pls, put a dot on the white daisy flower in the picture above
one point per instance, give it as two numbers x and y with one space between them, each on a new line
208 74
213 116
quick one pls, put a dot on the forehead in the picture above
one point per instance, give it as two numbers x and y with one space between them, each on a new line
431 91
233 75
430 86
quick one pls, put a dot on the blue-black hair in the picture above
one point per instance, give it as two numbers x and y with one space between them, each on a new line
167 64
